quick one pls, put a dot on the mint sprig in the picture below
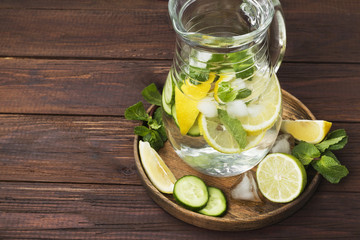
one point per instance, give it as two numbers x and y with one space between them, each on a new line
321 158
234 126
152 130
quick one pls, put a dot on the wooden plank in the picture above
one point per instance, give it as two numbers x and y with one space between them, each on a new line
67 149
77 149
142 29
99 87
74 211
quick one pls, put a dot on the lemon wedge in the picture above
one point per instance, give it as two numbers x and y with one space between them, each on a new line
311 131
220 139
156 169
186 102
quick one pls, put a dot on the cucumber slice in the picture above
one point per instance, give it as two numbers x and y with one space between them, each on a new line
216 205
166 106
173 113
194 131
168 91
191 192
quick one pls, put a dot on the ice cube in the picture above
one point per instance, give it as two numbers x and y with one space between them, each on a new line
237 108
207 106
255 110
247 188
238 84
282 144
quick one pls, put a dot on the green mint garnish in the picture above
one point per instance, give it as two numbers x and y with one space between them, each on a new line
153 130
305 152
225 92
152 95
243 93
321 158
330 169
234 126
136 112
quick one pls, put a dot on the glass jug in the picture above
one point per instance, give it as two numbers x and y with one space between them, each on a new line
222 99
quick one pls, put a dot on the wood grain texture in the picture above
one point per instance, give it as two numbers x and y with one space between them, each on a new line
86 211
99 87
66 149
81 149
142 29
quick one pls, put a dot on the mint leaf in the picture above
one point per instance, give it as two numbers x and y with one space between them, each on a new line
335 134
330 169
326 144
154 139
141 131
153 124
198 75
158 117
305 152
234 126
152 94
330 154
226 92
243 93
136 112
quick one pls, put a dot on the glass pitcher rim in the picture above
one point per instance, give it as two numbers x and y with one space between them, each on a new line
208 40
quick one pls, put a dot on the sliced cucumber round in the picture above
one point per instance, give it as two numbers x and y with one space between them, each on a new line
167 107
216 205
191 192
194 131
168 90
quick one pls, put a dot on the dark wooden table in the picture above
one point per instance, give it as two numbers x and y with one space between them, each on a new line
68 70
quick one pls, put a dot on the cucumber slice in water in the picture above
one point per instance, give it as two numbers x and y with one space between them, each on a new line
167 107
216 205
194 131
191 192
168 91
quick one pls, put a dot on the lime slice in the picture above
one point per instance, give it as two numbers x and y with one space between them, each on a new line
281 177
157 171
311 131
264 111
221 140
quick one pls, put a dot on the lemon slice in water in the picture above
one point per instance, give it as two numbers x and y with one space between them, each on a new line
220 139
264 111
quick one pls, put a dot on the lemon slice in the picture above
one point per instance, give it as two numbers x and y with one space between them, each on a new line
221 140
264 111
311 131
157 171
281 177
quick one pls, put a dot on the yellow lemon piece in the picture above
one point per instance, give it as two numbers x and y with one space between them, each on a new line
281 177
311 131
221 140
264 111
186 111
186 101
156 169
197 91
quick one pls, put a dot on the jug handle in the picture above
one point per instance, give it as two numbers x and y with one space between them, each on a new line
277 36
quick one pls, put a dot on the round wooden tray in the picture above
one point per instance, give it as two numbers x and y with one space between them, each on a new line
241 215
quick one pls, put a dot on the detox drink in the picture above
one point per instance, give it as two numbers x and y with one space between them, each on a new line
221 98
